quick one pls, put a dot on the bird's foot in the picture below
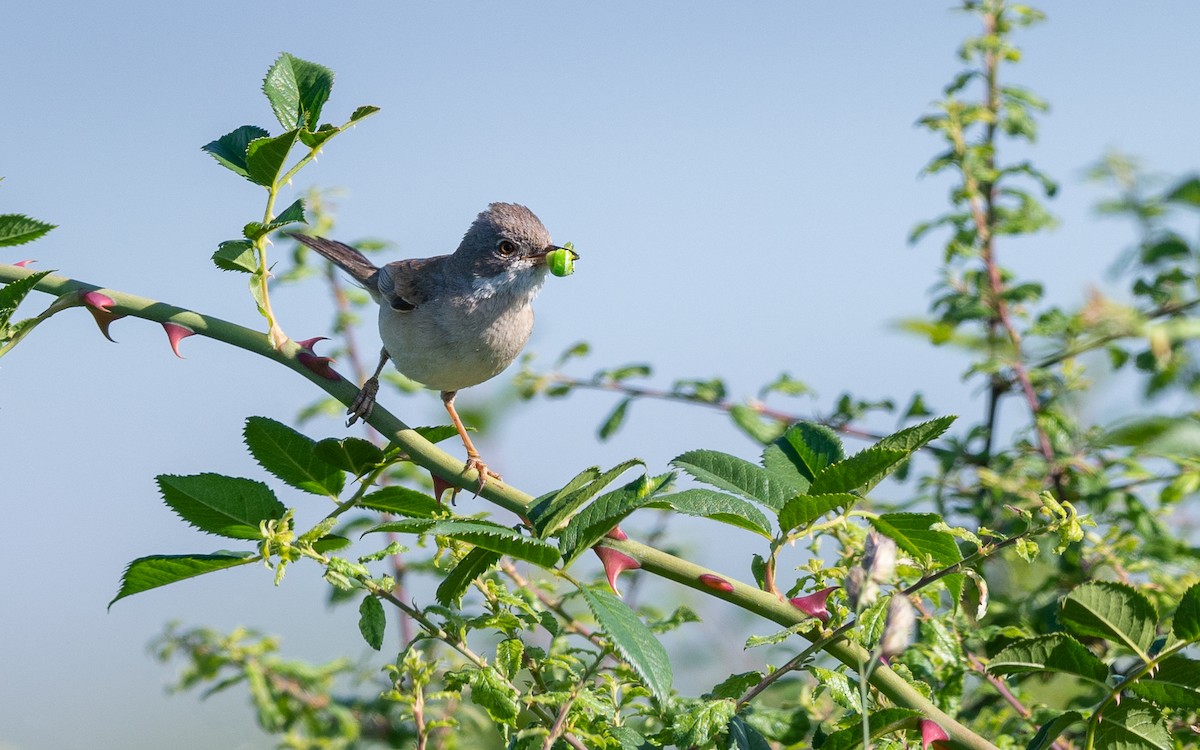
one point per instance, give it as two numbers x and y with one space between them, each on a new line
364 402
476 463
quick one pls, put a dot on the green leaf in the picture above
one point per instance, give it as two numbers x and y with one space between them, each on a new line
911 439
12 293
912 533
881 722
372 621
362 112
17 229
742 736
230 149
1160 435
265 157
509 654
1057 652
221 505
1175 684
402 501
491 693
1186 625
1050 731
437 433
615 419
147 573
735 685
734 474
297 90
1133 725
632 639
701 721
1186 192
841 691
314 139
802 510
293 214
548 514
1114 611
474 564
589 525
719 507
353 455
754 424
235 255
862 471
291 457
484 534
804 450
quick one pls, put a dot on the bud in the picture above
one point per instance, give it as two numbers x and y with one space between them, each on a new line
880 557
900 627
615 563
861 591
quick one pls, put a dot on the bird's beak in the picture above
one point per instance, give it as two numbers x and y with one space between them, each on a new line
551 248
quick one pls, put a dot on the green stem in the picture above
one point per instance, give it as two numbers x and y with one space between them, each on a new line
445 466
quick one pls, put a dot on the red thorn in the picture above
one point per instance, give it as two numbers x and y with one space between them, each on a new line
175 334
813 604
932 734
716 583
615 562
616 533
310 343
23 263
319 365
439 488
100 306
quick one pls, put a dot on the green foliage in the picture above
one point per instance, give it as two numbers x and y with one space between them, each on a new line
17 229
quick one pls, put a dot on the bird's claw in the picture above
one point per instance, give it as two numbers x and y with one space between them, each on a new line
476 463
364 402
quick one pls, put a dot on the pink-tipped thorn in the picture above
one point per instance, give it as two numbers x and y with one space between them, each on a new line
615 563
813 604
308 344
24 263
932 734
616 533
175 334
100 306
716 583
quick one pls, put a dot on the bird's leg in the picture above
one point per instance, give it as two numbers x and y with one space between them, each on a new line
364 402
473 459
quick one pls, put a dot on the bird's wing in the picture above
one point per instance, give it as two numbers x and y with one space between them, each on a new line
408 284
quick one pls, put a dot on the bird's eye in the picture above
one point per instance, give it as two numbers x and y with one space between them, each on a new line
506 248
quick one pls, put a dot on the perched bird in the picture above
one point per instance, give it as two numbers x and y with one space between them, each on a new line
453 321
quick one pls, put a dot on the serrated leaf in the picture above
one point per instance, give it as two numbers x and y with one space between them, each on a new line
734 474
912 533
589 525
17 229
861 472
805 450
735 685
913 438
1133 725
494 695
1050 731
840 690
742 736
402 501
632 639
372 621
221 505
882 722
802 510
12 293
701 721
615 419
293 214
484 534
754 424
474 564
353 455
230 149
1057 652
291 457
719 507
1186 624
364 111
297 90
235 255
1114 611
265 157
147 573
330 543
550 513
509 653
437 433
1175 684
314 139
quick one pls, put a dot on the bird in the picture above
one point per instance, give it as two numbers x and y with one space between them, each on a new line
453 321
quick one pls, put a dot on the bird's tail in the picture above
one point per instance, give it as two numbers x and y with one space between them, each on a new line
341 255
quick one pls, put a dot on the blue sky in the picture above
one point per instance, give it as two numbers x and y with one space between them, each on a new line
740 180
